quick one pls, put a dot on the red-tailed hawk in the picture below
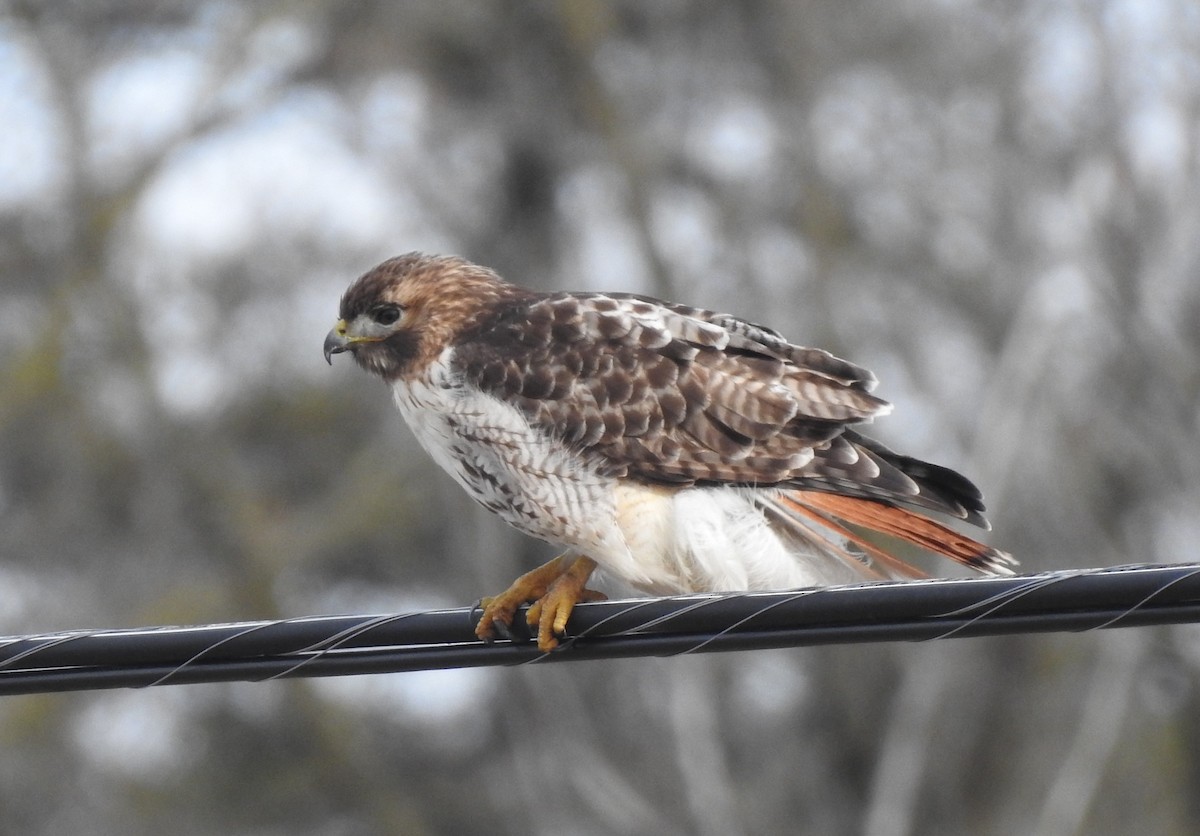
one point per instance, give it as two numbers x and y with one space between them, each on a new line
682 450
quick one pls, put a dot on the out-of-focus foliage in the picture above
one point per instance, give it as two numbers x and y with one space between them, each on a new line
996 206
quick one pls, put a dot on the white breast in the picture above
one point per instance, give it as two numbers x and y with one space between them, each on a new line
530 480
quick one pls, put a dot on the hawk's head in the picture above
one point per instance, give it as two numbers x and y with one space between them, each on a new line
398 317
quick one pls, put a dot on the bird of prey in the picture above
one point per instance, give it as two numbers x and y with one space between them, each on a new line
680 449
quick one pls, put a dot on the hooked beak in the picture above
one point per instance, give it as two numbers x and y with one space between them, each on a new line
336 341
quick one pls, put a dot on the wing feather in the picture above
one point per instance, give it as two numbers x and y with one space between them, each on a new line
678 395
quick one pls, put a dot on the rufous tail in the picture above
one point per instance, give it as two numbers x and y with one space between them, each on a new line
831 510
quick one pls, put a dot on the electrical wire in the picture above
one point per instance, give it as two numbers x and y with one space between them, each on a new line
1074 600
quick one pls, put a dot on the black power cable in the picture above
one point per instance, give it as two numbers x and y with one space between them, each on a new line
1127 596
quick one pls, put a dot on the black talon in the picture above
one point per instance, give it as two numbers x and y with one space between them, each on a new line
502 629
519 630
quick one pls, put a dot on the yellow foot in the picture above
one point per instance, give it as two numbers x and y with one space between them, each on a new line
553 588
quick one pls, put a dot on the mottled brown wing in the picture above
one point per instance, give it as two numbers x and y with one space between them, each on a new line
666 393
848 463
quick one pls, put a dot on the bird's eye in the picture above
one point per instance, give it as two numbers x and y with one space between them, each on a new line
386 314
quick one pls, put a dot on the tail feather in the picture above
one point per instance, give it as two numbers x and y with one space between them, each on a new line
833 510
895 567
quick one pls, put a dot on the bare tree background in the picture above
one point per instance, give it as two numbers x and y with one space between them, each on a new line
994 206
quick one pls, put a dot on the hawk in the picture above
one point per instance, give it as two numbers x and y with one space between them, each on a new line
680 449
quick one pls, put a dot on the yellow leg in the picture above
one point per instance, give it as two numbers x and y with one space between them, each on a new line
553 588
